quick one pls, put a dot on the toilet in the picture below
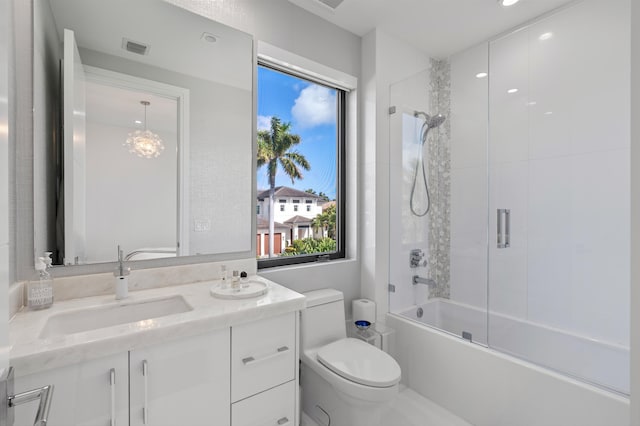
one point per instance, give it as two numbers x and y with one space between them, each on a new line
345 381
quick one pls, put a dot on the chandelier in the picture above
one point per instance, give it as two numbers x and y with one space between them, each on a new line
144 143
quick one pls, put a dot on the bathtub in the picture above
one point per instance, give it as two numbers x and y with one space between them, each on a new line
489 386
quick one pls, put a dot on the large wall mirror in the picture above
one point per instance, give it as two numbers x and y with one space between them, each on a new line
142 132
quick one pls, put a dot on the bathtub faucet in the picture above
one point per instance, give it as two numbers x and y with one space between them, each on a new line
426 281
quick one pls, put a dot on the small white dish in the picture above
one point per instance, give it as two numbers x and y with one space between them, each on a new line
246 290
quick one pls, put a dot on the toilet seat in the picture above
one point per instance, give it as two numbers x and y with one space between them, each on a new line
360 362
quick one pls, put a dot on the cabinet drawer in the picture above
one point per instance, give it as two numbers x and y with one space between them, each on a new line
275 407
262 355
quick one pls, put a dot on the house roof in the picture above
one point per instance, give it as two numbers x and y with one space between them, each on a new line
327 205
264 224
298 219
285 191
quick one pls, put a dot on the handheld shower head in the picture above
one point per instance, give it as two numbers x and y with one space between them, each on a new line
435 121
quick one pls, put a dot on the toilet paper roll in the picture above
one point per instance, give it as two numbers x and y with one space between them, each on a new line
364 310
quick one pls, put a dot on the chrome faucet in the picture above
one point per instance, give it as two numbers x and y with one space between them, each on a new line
426 281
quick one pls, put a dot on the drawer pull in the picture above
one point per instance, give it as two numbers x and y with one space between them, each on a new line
283 421
112 382
252 360
145 408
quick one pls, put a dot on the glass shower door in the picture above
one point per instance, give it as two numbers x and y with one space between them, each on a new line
559 196
446 247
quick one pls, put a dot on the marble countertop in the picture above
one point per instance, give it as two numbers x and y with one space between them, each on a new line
30 353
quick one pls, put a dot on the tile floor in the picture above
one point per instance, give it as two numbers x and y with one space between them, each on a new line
412 409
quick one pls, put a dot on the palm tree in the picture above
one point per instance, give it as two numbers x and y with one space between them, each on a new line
275 147
326 221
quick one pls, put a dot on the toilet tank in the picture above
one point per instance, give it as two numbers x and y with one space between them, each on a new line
323 321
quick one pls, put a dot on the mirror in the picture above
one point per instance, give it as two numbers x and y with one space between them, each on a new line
143 132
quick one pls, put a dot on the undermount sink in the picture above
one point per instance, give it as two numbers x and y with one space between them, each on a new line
246 290
114 314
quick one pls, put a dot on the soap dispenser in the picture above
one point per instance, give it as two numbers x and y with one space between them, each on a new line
40 288
122 278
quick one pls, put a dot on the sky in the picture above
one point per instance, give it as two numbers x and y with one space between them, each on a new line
311 110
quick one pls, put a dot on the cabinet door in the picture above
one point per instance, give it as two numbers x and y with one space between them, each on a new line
91 393
275 407
263 355
182 382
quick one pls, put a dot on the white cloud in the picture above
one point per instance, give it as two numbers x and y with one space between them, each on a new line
316 105
264 122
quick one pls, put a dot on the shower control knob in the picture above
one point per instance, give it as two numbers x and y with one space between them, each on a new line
416 257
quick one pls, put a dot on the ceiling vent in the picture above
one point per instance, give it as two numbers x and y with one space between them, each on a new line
135 47
331 4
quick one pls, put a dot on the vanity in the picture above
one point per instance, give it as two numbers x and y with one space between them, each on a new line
197 360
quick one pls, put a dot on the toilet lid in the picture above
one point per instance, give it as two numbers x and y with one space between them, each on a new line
360 362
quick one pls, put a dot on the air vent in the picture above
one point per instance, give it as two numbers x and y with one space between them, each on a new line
135 47
332 4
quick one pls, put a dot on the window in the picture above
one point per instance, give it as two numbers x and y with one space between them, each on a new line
304 163
258 209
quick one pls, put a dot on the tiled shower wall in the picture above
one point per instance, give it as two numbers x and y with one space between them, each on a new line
440 178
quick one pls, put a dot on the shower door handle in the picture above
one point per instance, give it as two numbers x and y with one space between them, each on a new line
504 228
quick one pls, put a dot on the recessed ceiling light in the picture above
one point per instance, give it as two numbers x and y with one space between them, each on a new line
545 36
511 91
208 37
508 2
481 75
532 103
138 122
548 113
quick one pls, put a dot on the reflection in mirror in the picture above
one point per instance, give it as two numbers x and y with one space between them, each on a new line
142 65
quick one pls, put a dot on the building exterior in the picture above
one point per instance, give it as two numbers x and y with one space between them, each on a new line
294 212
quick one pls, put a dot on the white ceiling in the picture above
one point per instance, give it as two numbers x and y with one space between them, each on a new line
174 35
437 27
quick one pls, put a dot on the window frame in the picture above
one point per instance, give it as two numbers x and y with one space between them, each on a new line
341 173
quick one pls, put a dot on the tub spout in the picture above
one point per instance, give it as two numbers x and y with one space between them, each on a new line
426 281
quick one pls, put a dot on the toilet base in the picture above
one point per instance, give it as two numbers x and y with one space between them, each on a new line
326 405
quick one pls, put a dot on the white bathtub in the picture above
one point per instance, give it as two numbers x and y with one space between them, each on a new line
487 386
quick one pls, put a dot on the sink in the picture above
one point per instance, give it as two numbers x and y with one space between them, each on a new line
247 290
113 314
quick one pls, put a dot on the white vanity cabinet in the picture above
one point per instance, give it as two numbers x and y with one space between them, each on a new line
181 382
263 372
90 393
243 375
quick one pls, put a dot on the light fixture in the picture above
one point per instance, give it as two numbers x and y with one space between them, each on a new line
208 37
512 91
481 75
508 2
144 143
545 36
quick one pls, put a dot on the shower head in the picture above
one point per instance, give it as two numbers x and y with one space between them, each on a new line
435 121
430 121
